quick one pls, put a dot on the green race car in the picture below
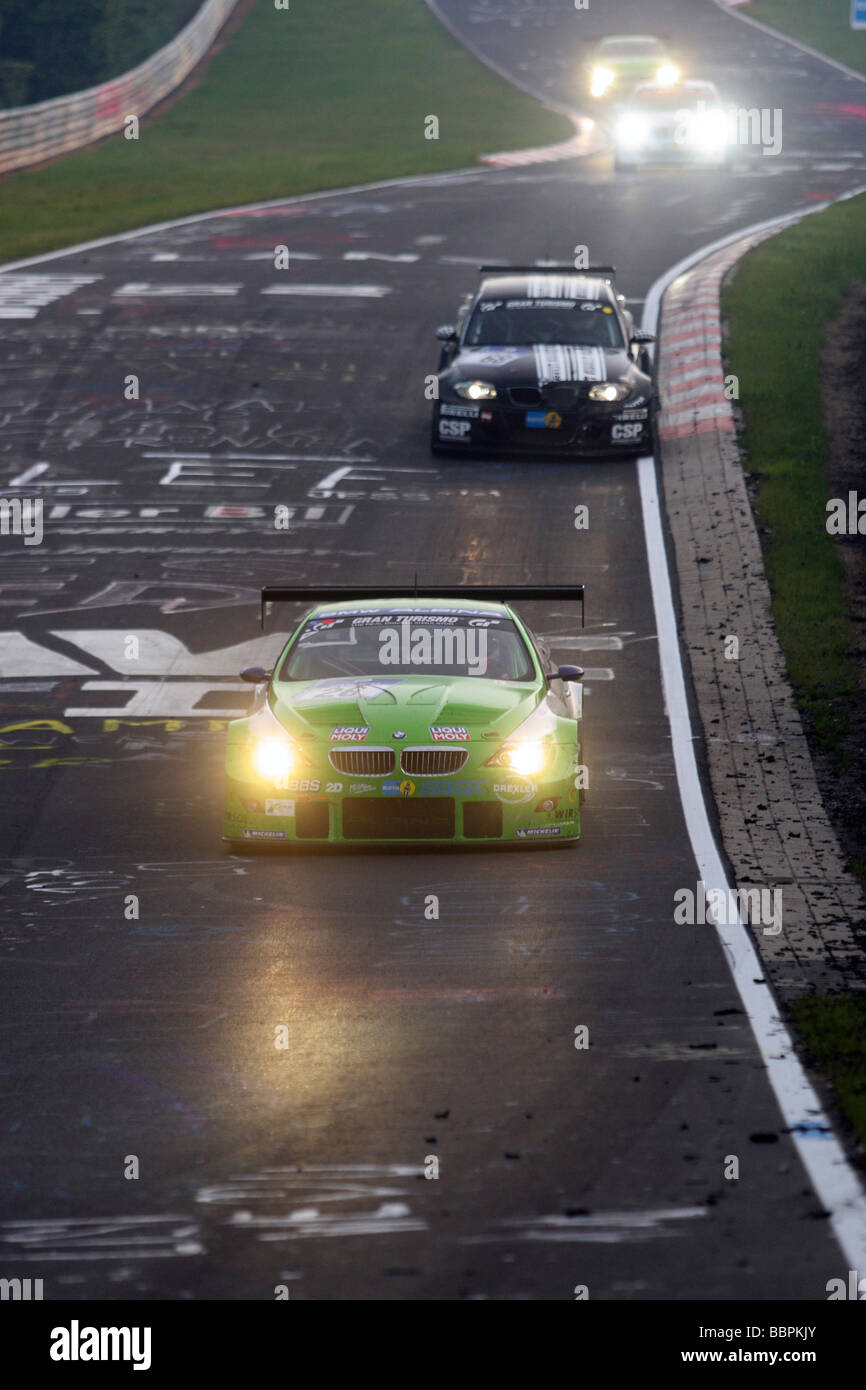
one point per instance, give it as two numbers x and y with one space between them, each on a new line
620 61
386 718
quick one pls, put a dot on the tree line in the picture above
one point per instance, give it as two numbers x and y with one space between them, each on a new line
49 48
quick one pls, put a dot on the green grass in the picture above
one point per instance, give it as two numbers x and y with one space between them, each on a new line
314 97
781 301
834 1030
822 24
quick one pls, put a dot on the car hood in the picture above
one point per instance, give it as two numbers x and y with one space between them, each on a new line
410 704
540 366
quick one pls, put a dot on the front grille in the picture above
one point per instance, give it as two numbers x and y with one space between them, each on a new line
524 395
561 397
482 820
362 762
398 818
312 821
553 396
433 762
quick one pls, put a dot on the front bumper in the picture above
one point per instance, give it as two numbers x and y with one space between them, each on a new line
480 805
597 429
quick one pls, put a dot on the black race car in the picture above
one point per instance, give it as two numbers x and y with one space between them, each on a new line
545 360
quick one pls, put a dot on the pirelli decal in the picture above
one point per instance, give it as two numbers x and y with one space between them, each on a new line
553 364
563 287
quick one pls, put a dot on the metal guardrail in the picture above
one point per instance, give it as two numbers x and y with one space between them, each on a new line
31 134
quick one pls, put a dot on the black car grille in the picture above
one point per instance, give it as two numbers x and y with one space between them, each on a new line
362 762
482 820
398 818
524 395
432 762
555 396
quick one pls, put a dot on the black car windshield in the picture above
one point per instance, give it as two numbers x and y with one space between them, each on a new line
557 322
630 48
675 98
408 643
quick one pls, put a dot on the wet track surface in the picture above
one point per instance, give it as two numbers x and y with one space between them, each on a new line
408 1037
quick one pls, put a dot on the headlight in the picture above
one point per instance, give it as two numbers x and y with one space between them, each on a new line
525 758
668 74
708 130
632 129
609 391
476 390
602 78
273 758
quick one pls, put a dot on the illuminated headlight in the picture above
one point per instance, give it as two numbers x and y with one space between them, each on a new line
273 758
476 390
525 758
668 74
602 78
632 129
609 391
708 131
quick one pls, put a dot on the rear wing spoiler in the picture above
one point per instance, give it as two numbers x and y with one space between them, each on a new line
595 272
500 593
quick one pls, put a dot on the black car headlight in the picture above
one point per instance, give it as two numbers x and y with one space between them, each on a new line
476 390
610 392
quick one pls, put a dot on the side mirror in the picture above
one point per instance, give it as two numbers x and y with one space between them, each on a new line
255 674
567 673
447 333
642 335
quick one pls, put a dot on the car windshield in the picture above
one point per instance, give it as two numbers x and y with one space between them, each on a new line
674 98
631 48
409 643
557 322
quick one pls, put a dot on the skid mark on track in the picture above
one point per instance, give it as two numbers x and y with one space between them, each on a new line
598 1228
101 1238
372 1200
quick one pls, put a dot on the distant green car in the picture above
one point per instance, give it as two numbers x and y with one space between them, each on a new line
620 61
388 719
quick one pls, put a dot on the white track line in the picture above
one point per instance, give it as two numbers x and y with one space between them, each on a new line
835 1182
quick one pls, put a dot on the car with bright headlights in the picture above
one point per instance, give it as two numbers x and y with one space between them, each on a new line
393 717
619 62
680 124
544 360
